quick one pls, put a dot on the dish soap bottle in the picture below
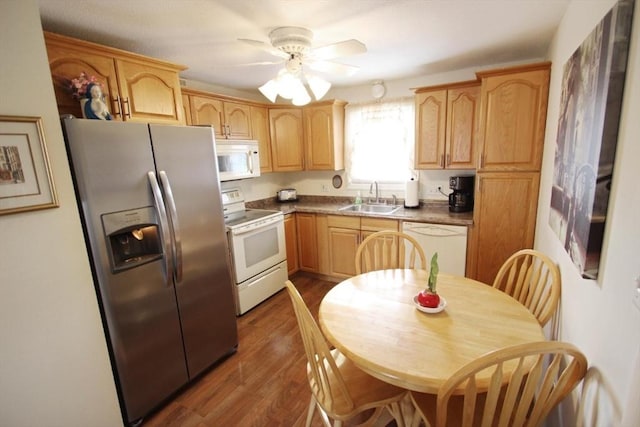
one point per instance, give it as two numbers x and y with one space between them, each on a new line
358 200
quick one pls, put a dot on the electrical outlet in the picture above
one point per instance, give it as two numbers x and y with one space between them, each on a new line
432 190
636 295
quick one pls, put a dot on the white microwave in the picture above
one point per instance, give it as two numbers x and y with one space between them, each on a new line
238 159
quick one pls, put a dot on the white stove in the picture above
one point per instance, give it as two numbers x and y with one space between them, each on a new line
257 250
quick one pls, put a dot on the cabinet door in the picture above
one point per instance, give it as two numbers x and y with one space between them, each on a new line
208 111
285 126
463 105
343 244
260 132
237 118
291 238
512 124
67 63
430 129
504 220
186 108
149 94
323 134
307 242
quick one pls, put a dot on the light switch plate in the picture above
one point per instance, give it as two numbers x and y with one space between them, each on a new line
636 296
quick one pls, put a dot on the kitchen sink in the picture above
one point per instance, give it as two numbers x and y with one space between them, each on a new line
372 209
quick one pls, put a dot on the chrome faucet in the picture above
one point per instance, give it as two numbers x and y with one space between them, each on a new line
377 193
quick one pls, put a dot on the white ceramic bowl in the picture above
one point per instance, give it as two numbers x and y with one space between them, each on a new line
438 309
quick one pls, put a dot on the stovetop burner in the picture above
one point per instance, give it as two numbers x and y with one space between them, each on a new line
248 215
237 215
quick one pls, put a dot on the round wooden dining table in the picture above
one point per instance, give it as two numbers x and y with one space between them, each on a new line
373 320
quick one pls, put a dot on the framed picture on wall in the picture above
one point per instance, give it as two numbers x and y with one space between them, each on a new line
590 104
26 182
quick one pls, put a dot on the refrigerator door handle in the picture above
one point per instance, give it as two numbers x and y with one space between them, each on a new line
173 224
164 227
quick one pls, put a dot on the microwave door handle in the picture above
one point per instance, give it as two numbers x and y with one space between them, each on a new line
250 161
164 227
174 224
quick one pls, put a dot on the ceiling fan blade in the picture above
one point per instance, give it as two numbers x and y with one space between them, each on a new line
249 64
340 49
333 68
266 47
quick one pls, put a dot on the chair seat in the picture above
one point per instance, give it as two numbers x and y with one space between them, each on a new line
365 391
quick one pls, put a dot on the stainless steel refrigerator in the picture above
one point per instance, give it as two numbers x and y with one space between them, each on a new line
150 202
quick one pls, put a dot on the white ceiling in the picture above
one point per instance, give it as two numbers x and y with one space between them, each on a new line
404 38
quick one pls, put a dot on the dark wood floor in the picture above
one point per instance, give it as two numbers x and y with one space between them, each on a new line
264 383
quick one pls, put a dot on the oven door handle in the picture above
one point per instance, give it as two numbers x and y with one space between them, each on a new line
164 227
174 225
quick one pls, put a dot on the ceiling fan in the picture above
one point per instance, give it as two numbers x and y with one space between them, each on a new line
294 46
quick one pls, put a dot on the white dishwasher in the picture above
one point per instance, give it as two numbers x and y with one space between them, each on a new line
450 241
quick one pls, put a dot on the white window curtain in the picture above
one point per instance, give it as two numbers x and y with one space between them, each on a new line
379 141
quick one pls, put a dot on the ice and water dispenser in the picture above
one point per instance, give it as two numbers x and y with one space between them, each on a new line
132 238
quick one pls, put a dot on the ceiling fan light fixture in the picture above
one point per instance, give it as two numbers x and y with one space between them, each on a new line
318 86
289 85
270 90
301 98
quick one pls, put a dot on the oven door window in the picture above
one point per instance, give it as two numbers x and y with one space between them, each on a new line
260 246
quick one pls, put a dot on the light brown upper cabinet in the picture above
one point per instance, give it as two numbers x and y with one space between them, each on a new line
287 136
513 118
260 132
186 109
324 135
136 87
230 119
446 125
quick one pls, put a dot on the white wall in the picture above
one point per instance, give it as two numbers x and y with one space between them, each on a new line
598 315
54 365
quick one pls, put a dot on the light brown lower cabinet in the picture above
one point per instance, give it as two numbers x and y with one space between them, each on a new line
291 241
504 220
345 233
307 242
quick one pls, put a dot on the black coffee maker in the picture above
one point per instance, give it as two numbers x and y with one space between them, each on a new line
461 200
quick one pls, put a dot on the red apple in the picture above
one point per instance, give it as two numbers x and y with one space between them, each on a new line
428 299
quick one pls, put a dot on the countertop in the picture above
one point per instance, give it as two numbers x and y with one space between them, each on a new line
432 212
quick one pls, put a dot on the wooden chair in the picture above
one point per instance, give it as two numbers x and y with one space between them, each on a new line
533 279
542 375
386 249
339 389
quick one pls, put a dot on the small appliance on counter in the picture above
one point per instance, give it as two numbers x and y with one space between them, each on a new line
461 200
287 195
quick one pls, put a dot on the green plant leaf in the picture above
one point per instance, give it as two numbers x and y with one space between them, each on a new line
433 273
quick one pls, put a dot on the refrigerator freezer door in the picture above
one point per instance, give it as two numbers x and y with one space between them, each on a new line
186 156
110 162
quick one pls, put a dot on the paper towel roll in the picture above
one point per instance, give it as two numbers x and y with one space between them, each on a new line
411 194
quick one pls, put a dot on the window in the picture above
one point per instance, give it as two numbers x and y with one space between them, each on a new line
379 141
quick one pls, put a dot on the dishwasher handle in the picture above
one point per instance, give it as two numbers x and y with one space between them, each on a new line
435 230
